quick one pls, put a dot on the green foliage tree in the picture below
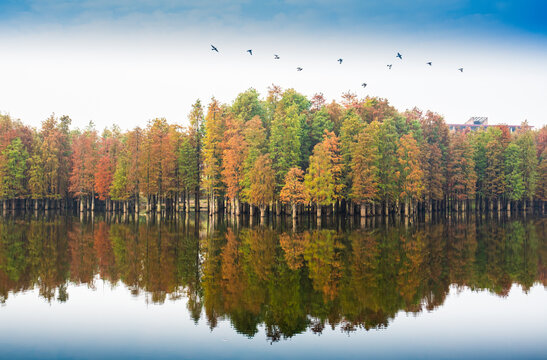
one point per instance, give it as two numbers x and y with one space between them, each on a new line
513 173
323 179
13 172
364 166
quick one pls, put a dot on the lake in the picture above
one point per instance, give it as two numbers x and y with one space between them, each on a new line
193 287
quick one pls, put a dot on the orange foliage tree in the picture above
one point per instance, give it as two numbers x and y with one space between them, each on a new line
322 181
410 174
293 192
262 183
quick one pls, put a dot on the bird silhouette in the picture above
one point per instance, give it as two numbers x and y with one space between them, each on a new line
364 85
429 63
213 48
250 51
389 66
340 60
299 69
461 69
276 56
400 56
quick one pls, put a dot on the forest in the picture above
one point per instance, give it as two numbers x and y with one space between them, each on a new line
285 154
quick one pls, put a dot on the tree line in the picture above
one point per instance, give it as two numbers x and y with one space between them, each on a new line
282 154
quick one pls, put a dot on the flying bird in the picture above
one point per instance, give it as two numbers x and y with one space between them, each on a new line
429 63
298 69
213 48
400 56
250 51
276 56
389 66
340 60
364 85
461 69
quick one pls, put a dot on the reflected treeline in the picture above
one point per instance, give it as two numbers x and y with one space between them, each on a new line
287 281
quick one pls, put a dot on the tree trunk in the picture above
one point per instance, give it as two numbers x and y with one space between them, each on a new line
293 206
363 210
318 210
262 210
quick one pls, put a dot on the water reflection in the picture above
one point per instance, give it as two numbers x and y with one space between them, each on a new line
289 280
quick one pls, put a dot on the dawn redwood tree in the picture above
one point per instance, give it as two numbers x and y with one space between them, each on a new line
494 173
262 188
36 182
171 179
364 168
323 179
127 176
388 143
529 162
188 168
434 151
336 115
410 175
119 188
13 170
196 131
541 189
479 139
375 109
84 163
286 134
257 145
108 151
51 157
352 126
293 192
212 158
247 105
234 151
270 106
65 151
159 165
514 182
461 169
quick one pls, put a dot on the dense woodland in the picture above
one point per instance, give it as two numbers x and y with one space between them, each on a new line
282 154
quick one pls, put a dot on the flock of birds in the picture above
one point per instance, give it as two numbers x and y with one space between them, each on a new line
276 57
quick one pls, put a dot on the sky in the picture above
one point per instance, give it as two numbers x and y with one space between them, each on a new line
125 62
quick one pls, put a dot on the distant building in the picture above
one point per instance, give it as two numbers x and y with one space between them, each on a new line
480 122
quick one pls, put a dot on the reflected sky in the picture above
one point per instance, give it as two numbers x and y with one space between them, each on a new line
110 322
195 289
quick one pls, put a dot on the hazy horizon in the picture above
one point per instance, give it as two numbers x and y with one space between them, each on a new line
129 62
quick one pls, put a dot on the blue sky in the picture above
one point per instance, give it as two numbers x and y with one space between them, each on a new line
524 16
127 61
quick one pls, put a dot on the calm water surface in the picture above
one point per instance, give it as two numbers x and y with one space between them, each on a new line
193 288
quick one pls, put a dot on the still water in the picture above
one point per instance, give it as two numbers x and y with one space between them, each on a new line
193 288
